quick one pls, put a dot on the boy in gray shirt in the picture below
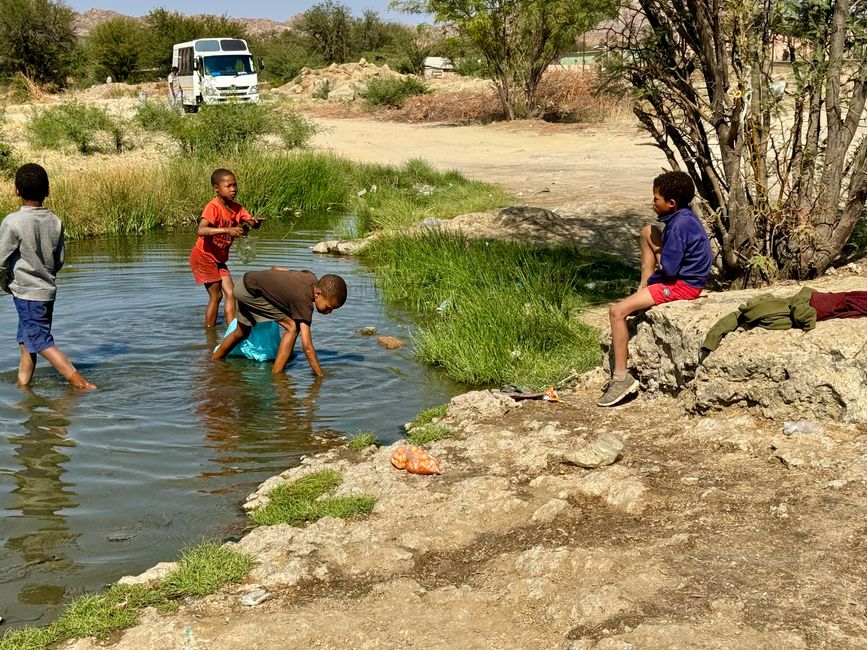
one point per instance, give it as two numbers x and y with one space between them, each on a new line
31 254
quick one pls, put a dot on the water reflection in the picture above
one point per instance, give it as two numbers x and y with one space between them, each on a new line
172 442
41 534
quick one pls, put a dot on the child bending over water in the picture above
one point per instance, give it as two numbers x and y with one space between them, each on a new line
289 298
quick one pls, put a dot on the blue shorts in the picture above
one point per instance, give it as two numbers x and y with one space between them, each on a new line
34 324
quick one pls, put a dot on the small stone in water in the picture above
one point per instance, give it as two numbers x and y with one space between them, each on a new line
390 342
367 331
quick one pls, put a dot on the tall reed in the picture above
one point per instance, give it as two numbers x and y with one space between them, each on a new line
171 194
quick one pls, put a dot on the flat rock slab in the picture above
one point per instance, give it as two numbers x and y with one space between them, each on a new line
788 374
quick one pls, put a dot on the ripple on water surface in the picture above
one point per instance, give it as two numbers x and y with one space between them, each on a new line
97 485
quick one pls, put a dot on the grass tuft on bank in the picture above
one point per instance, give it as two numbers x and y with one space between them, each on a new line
426 433
301 501
498 312
130 199
202 569
362 440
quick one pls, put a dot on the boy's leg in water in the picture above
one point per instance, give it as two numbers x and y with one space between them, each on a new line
651 248
215 294
232 339
64 366
26 366
228 288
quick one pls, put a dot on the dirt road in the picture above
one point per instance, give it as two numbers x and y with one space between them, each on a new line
548 165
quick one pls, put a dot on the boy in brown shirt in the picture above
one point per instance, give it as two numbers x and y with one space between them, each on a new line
287 297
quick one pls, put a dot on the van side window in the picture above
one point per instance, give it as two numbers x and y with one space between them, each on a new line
185 61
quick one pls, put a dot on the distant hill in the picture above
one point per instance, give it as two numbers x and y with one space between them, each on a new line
86 21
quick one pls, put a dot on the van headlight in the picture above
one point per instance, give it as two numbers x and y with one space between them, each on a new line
254 90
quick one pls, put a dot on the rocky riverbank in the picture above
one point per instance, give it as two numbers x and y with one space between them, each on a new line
717 531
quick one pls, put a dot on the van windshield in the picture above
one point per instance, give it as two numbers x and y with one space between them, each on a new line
228 65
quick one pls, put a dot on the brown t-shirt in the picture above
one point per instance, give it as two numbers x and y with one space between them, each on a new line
289 291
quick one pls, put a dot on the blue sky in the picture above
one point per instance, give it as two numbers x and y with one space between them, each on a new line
273 9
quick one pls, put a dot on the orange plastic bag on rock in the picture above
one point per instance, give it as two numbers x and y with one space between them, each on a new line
415 460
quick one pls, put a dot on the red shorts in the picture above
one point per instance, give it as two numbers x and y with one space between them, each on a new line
206 268
671 291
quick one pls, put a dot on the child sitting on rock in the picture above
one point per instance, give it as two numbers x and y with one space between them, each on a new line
683 257
288 298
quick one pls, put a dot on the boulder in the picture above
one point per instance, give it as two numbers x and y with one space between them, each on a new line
788 374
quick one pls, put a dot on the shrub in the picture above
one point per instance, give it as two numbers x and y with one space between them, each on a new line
391 91
156 116
570 96
322 90
88 128
228 129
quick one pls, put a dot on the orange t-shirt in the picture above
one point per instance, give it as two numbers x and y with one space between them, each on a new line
221 216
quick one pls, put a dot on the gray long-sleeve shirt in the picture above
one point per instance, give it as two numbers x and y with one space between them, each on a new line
31 253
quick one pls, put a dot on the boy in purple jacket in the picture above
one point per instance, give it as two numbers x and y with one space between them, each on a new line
682 253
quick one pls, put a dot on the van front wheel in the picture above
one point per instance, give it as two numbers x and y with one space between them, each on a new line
191 108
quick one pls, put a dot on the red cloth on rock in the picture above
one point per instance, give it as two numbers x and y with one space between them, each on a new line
845 304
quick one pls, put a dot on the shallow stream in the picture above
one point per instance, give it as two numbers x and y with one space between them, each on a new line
94 486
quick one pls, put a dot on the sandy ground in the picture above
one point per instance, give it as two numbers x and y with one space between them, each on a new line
547 165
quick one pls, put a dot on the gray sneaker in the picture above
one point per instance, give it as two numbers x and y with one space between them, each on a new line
617 391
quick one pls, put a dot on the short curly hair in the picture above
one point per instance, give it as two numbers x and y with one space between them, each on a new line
31 182
675 186
333 287
220 174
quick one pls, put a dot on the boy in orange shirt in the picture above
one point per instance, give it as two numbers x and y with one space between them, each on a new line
222 220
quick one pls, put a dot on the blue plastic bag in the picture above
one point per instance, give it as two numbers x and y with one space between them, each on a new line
262 343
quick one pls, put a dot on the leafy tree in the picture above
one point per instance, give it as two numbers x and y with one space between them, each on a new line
285 54
776 161
115 47
328 27
165 28
518 39
36 39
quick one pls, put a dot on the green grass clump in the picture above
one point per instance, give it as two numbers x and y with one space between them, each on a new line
428 415
416 191
90 129
511 310
362 440
204 568
391 91
421 435
301 502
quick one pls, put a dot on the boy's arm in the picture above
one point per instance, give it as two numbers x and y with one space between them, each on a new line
671 257
245 216
9 242
206 228
309 350
59 252
287 342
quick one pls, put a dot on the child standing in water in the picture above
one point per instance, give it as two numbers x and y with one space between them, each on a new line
31 254
222 220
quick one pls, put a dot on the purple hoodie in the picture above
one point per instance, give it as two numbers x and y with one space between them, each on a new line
685 250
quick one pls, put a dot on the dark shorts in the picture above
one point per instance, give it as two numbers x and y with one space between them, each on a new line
34 324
